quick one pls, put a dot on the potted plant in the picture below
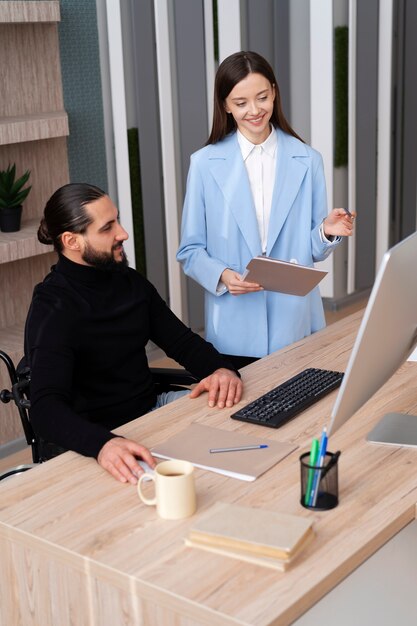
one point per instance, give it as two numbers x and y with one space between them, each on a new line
12 195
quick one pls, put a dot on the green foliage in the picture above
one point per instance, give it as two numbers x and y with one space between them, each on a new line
11 192
341 43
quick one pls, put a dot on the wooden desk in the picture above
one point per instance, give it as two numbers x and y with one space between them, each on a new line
79 548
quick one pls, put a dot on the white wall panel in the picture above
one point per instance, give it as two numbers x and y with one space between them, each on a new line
322 113
229 27
384 128
352 142
117 81
169 145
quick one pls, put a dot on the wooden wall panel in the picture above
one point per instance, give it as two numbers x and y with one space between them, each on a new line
11 427
31 78
48 163
16 286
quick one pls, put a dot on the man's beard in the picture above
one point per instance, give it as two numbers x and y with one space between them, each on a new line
105 260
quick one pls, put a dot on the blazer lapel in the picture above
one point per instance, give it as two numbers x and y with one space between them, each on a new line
228 170
290 173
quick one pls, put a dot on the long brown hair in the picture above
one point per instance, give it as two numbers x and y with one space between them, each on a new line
231 71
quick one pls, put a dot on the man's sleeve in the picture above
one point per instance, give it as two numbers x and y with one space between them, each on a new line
180 343
50 352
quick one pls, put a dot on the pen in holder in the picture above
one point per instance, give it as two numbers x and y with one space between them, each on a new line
319 483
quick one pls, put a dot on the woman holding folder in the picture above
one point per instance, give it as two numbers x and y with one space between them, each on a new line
255 189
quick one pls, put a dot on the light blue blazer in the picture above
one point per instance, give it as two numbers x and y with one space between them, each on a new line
219 231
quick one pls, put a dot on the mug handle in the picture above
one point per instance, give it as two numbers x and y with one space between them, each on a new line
144 499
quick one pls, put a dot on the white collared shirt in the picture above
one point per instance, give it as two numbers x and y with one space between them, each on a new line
260 162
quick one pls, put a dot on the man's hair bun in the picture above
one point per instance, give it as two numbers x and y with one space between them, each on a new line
43 233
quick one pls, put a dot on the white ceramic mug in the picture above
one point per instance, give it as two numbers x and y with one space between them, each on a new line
175 495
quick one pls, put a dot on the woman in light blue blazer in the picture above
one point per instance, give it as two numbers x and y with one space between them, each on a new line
255 188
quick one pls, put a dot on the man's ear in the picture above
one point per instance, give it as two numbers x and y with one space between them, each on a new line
71 241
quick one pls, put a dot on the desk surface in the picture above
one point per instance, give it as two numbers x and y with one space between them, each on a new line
78 547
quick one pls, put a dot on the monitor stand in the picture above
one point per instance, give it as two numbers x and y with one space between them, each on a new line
396 429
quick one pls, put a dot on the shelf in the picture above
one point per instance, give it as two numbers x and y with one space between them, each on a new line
22 244
33 127
13 12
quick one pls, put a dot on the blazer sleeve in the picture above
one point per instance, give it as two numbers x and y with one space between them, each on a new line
192 252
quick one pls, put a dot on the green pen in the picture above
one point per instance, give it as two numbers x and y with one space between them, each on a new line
314 452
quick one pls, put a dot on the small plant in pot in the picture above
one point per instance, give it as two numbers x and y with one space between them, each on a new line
12 195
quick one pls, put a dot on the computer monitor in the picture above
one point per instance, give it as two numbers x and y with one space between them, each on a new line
386 337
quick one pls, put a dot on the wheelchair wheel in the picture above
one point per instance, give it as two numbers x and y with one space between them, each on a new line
14 471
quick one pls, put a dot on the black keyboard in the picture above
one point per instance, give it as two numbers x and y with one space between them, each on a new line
290 398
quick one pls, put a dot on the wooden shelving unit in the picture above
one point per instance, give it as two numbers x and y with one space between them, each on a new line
18 12
23 244
33 130
33 127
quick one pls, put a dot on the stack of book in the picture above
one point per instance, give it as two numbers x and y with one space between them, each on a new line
258 536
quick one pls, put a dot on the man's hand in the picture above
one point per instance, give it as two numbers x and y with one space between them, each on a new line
119 457
339 223
235 285
224 388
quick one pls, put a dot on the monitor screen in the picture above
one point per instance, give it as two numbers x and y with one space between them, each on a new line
386 337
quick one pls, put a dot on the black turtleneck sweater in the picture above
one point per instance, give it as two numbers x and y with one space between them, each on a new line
86 334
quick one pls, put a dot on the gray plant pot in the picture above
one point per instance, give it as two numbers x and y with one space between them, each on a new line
10 218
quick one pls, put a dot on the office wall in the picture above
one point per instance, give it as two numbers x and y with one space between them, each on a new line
192 102
83 100
143 113
404 172
281 30
366 141
299 67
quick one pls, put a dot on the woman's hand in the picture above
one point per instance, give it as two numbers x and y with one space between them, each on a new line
339 223
235 284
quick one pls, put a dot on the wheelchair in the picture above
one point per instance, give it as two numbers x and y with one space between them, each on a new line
165 379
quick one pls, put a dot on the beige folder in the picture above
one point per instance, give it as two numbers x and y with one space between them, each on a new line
195 442
282 276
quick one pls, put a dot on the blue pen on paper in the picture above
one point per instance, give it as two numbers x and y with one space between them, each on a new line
239 448
320 462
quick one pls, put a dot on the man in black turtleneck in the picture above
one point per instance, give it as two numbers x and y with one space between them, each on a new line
86 332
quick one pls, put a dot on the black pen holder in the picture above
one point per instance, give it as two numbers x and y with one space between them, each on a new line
319 484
